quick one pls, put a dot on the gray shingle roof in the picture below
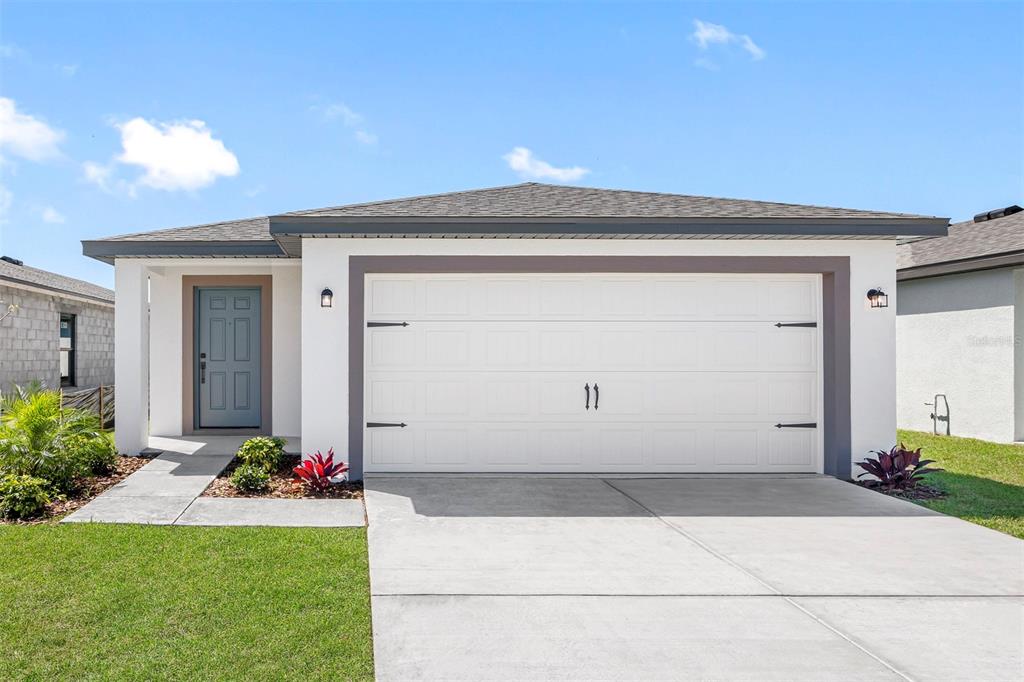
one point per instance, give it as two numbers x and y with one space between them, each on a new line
526 209
246 229
536 200
966 240
49 280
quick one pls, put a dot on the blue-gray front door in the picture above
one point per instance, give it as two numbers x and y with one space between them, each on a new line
228 358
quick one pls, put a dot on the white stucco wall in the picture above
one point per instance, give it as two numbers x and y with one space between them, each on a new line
955 335
164 363
325 330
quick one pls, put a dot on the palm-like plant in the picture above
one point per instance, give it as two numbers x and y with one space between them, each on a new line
39 438
898 468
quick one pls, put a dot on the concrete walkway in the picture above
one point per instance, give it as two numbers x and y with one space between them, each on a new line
807 578
166 492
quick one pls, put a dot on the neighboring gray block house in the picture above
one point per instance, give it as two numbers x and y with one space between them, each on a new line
960 329
55 329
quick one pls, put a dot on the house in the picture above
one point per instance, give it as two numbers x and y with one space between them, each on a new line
960 329
528 328
53 329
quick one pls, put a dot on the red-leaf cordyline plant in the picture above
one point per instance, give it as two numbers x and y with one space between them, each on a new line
897 469
317 472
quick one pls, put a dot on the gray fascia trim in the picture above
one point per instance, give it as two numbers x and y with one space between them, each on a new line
107 250
1002 260
888 227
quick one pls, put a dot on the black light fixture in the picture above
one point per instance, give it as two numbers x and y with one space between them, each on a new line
878 298
326 298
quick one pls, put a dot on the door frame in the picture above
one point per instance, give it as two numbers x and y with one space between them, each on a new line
189 285
834 337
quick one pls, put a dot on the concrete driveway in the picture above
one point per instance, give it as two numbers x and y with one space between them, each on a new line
745 578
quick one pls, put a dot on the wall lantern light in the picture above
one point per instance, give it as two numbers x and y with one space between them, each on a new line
326 298
878 298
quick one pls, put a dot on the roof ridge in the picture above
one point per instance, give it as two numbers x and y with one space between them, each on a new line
721 198
381 202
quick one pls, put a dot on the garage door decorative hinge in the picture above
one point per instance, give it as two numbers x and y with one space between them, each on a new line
802 425
387 324
378 425
796 324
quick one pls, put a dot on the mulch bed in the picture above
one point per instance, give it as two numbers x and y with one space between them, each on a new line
282 485
921 491
88 488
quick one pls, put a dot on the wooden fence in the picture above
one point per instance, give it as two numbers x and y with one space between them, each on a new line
99 400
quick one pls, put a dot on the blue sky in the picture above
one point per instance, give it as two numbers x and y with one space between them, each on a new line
129 117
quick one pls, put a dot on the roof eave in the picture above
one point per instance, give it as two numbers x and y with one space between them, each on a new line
953 267
108 250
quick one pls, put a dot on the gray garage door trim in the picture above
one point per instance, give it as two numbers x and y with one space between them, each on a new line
835 272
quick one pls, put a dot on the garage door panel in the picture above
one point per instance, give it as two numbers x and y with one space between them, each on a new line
593 296
734 446
593 346
792 447
625 447
652 397
693 372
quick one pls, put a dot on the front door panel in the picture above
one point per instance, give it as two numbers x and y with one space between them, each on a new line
228 358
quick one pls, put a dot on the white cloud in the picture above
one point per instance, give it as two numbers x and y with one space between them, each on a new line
10 50
366 137
97 174
26 136
175 156
52 215
68 70
751 47
522 161
6 199
349 118
340 110
706 34
103 177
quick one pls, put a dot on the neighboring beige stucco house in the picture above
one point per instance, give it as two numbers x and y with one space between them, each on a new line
528 328
960 329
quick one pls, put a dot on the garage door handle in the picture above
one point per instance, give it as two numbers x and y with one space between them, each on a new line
804 425
586 387
597 395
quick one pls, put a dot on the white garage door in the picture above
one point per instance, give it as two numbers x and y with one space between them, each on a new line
592 373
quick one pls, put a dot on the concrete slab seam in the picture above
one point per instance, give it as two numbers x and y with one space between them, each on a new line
777 592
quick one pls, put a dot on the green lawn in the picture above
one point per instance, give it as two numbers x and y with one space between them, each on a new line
122 602
984 482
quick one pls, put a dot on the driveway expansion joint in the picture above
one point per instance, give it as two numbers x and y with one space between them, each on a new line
764 582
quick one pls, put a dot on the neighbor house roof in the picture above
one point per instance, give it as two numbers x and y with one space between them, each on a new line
529 209
12 273
979 244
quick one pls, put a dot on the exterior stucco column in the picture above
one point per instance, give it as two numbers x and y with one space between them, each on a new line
325 351
131 356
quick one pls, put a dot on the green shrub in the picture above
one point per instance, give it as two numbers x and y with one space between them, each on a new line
250 478
263 452
96 455
22 497
39 438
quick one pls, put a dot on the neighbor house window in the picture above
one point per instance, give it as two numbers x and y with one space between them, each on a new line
67 350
